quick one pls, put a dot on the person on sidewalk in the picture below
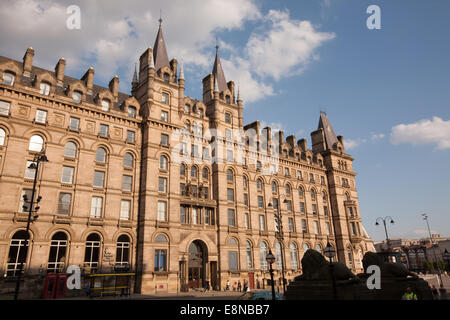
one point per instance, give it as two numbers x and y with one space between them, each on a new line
239 287
409 295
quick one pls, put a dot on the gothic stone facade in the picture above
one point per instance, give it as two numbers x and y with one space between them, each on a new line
174 187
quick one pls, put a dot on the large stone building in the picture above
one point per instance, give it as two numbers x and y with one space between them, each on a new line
177 188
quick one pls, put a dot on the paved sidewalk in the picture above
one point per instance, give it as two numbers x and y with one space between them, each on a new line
191 295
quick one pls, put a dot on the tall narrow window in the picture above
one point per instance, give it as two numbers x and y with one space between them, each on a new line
4 108
231 218
92 253
293 251
162 184
99 179
67 175
132 112
100 155
57 256
128 160
64 202
230 194
262 224
162 211
23 207
36 143
163 162
248 252
302 207
8 78
30 170
70 150
230 175
130 136
105 104
246 221
195 215
2 136
17 254
123 250
304 226
262 255
125 209
104 130
164 116
291 224
160 260
182 170
44 88
183 214
165 98
96 207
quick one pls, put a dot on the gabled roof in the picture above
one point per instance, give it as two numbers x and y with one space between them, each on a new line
159 50
218 72
330 136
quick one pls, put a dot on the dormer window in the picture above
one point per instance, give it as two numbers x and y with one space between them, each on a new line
227 99
186 109
132 112
200 113
8 78
76 96
44 88
105 104
166 77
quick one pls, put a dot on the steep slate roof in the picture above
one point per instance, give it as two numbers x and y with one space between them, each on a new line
330 136
159 50
218 72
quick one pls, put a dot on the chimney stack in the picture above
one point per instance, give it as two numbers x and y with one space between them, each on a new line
88 80
114 87
28 62
59 71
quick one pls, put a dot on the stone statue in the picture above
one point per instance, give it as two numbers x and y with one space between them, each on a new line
315 267
388 269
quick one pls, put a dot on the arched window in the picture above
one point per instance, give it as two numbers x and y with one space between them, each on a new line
278 255
350 257
100 155
300 192
182 170
319 248
262 255
44 88
259 184
163 162
2 137
200 112
229 175
92 253
17 254
293 251
36 143
161 238
187 108
194 172
274 187
205 173
288 189
305 247
227 99
313 194
58 249
8 78
128 160
347 196
166 77
324 196
123 250
244 182
248 251
70 150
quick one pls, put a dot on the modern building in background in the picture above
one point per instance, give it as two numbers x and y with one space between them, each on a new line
176 188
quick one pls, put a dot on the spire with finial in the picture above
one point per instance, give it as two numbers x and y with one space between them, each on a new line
159 49
218 73
135 76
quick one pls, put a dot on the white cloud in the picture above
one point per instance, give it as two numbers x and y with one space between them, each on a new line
350 144
376 136
435 131
286 48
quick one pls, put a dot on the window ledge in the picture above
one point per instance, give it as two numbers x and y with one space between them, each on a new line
162 224
232 229
62 219
125 223
95 221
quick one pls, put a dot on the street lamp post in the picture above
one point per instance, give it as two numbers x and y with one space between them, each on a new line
329 252
385 230
441 285
39 157
280 237
270 258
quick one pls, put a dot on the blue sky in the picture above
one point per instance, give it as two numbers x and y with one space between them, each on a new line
386 91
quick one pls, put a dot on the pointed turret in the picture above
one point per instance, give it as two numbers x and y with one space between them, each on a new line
218 72
135 77
159 50
330 136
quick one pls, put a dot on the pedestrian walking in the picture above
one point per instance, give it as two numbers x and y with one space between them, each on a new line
245 285
239 287
435 292
228 285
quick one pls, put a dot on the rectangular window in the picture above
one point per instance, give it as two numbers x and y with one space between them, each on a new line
322 180
227 118
96 207
327 225
207 217
275 203
160 260
195 216
289 205
4 108
228 136
74 124
104 130
299 175
183 148
246 222
165 98
353 229
26 192
316 227
260 202
230 194
302 207
357 225
30 172
99 179
162 209
64 204
194 150
262 225
246 199
232 260
162 185
325 211
231 218
132 112
41 116
127 182
304 226
130 136
67 175
286 172
164 139
205 153
164 116
230 157
291 224
314 208
183 214
311 177
182 187
125 210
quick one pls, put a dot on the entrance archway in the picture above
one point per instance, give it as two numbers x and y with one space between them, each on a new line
198 257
